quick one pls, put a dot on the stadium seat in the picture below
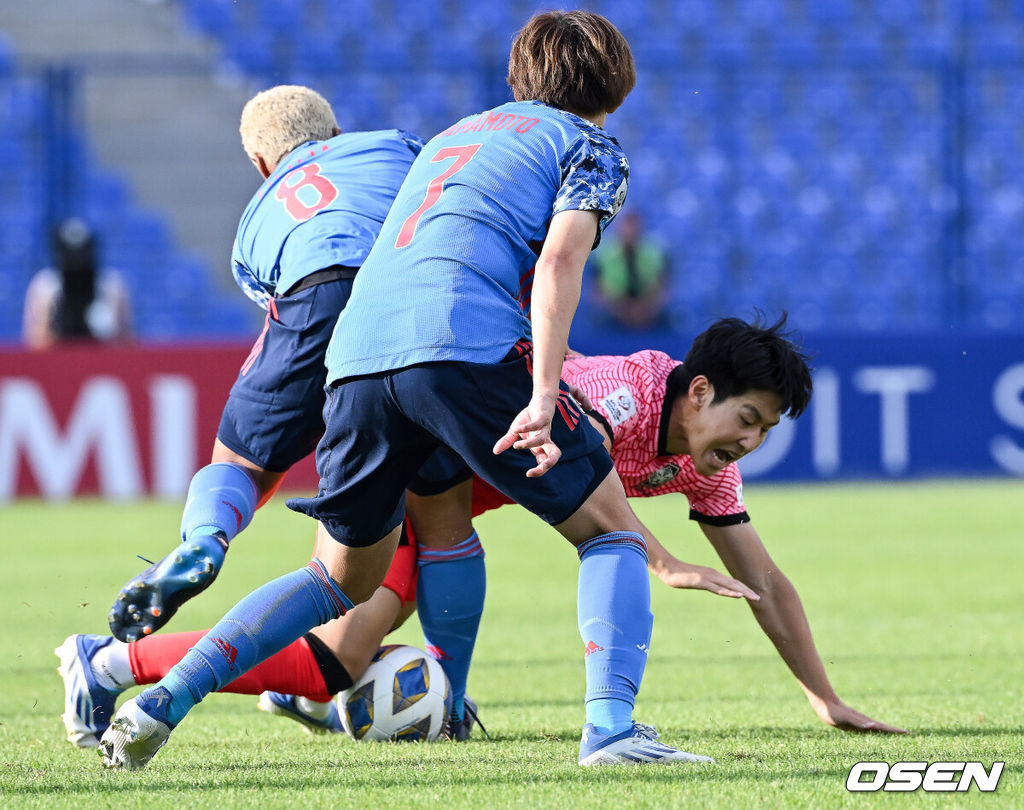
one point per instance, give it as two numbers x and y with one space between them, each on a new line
810 139
6 56
995 45
212 17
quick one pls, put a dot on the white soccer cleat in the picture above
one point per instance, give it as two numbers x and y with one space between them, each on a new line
316 718
636 746
88 707
139 729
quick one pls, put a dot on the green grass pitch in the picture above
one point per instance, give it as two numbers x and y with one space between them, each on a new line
914 593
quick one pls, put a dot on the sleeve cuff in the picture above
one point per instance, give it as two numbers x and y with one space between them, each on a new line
720 520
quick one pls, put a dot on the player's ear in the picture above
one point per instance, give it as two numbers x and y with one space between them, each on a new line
701 392
261 165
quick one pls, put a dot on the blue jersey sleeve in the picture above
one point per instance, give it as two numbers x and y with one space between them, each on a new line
595 176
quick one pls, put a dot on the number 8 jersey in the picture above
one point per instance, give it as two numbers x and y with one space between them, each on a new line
322 206
449 278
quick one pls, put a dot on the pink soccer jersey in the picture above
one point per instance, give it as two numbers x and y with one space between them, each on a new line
629 394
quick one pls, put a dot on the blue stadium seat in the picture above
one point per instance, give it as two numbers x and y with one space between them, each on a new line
279 16
995 44
389 50
6 56
254 52
212 17
833 12
799 46
978 11
315 53
769 139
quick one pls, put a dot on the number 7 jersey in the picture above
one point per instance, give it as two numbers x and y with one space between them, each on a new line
323 205
450 276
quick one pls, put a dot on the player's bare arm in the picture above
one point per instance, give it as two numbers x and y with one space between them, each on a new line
781 615
678 574
556 293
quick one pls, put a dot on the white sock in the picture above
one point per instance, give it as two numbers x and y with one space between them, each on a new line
111 667
313 708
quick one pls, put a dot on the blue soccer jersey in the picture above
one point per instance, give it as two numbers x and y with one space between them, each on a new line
449 278
322 206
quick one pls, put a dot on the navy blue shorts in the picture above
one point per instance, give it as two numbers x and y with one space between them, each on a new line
274 413
442 471
382 428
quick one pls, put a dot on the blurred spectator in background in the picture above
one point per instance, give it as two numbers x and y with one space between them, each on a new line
75 300
631 274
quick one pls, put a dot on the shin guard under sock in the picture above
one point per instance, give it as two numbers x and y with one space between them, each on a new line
265 622
615 621
450 600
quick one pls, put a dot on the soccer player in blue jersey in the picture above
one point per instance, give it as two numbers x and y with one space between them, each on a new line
299 243
497 216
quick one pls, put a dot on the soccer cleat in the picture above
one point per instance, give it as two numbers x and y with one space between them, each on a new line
149 601
138 731
636 746
460 730
289 706
88 706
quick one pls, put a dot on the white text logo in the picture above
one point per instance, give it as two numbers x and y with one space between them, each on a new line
934 777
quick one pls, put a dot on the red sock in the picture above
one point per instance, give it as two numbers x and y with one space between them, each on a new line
401 576
293 671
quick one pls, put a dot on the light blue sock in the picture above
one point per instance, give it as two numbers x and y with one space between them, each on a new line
263 623
615 621
221 500
450 600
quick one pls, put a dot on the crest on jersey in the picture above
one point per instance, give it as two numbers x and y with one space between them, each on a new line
619 405
620 195
661 476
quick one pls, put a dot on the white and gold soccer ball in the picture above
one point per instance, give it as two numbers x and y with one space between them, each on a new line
403 696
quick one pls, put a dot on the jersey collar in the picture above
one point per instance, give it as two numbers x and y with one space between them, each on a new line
675 384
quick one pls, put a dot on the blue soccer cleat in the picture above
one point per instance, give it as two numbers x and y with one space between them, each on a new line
636 746
301 710
139 729
149 601
88 706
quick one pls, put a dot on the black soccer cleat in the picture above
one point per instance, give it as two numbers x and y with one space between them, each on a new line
460 730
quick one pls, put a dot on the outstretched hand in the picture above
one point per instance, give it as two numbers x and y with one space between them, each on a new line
531 430
678 574
841 716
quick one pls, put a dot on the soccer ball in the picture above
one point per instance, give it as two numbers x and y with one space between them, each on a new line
403 696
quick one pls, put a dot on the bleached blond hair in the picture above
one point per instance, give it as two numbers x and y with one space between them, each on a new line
277 120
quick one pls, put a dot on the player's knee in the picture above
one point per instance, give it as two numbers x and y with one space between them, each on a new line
605 510
444 519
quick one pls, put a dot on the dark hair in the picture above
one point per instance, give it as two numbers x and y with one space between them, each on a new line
573 60
737 357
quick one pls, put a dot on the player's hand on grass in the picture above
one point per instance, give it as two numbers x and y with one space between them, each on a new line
531 430
678 574
841 716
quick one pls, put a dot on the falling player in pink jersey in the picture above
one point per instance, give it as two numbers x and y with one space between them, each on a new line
668 428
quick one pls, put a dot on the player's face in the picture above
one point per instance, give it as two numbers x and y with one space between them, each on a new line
720 433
